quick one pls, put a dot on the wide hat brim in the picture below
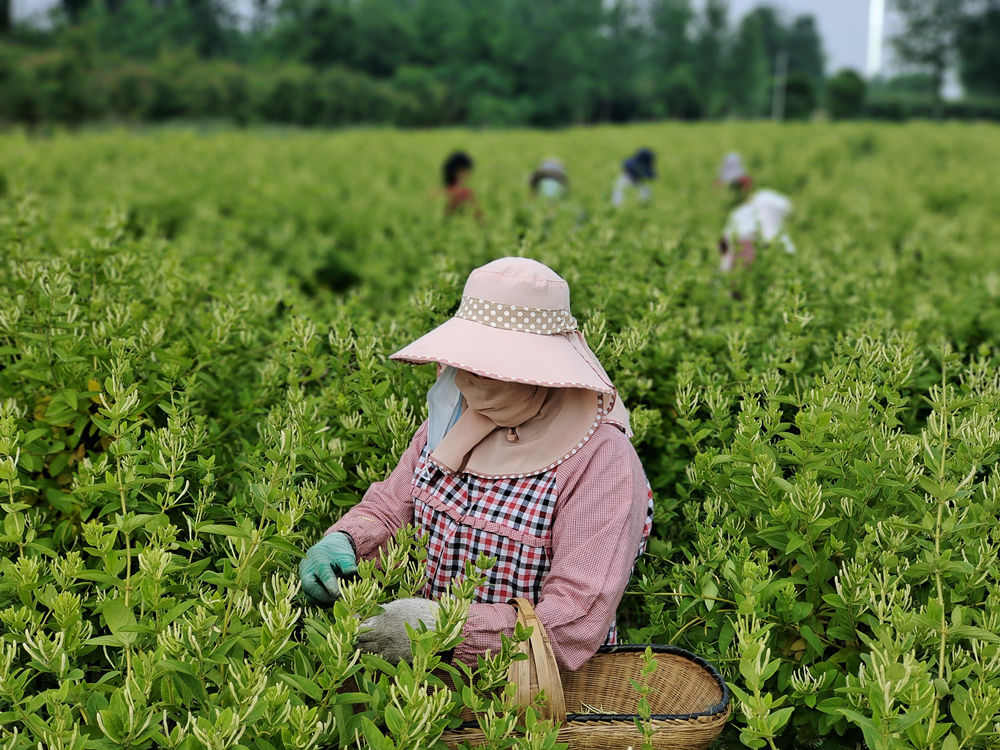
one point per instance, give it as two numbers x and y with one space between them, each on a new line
550 360
540 174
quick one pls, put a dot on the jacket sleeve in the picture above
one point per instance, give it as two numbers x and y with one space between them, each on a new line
596 535
387 505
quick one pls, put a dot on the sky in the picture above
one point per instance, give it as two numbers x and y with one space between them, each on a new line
843 24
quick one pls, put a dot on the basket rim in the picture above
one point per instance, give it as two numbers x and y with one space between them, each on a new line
720 708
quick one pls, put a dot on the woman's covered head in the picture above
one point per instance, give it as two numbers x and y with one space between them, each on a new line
456 166
550 179
641 165
506 403
733 174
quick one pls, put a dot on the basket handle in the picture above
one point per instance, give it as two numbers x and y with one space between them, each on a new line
541 663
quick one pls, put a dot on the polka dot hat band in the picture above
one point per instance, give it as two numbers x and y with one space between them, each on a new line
514 323
515 317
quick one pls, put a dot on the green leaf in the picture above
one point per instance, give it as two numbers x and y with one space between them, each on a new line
223 530
303 685
974 633
106 640
61 501
864 722
395 721
375 738
779 718
710 591
121 620
810 637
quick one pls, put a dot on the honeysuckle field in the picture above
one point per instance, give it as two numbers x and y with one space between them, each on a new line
193 385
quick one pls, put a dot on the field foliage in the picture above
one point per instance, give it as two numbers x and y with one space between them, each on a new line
194 384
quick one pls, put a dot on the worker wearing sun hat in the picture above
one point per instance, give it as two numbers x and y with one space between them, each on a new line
733 174
525 457
550 179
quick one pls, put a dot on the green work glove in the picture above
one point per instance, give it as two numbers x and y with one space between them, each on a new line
325 563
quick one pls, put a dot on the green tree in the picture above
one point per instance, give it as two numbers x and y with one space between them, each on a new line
710 43
73 9
680 95
319 32
671 27
800 96
620 56
928 36
772 32
384 36
207 23
979 50
749 79
140 29
845 94
805 49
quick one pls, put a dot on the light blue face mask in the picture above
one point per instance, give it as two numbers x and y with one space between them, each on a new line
444 407
551 188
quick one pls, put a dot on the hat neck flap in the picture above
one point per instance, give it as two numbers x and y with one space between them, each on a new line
566 419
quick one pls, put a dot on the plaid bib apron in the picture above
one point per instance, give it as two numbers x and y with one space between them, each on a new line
510 520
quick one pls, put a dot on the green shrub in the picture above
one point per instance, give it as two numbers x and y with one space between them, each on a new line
681 95
281 100
58 82
192 388
18 102
845 95
432 105
800 97
130 91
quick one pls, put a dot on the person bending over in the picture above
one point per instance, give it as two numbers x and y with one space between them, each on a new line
525 457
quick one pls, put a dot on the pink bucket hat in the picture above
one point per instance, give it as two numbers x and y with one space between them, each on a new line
514 324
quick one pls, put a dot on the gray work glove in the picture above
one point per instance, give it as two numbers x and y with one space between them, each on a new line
325 563
385 633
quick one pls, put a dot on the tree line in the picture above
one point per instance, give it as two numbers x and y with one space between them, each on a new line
434 62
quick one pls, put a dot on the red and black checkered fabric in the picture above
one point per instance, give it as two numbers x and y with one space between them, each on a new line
464 516
510 520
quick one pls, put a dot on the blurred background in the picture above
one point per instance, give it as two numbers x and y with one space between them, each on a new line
495 62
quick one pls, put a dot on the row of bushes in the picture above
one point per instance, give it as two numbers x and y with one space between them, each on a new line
67 86
185 407
54 86
905 106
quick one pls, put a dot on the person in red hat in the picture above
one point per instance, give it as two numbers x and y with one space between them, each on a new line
525 457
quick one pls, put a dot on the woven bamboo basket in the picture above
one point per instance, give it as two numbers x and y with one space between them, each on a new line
596 704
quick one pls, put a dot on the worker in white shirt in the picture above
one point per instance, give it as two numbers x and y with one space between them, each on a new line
758 220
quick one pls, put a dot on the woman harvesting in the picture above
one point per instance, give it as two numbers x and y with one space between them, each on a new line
525 457
455 171
637 172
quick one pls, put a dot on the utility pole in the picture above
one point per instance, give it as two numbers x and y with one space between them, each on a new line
780 80
876 25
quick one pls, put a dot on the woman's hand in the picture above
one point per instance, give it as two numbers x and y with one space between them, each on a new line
325 563
385 633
